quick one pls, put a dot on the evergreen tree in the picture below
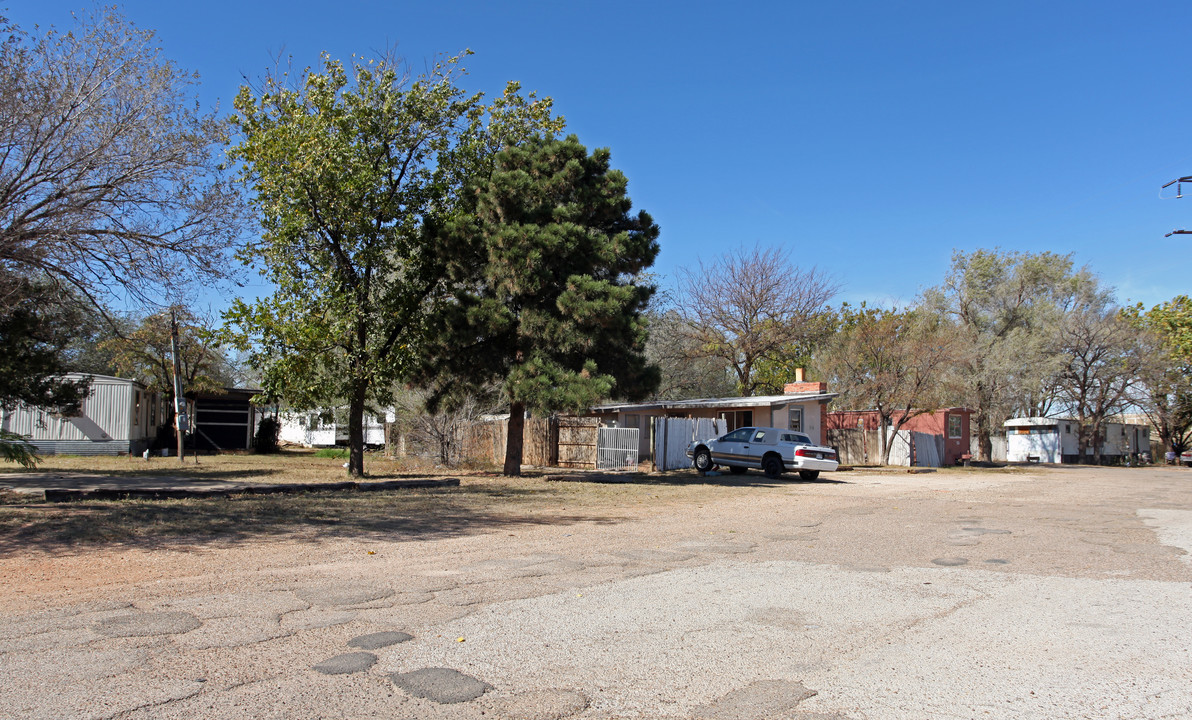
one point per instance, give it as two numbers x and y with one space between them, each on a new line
548 301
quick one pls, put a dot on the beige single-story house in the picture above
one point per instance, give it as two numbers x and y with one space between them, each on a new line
802 407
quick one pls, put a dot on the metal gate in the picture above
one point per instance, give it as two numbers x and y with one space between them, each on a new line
616 449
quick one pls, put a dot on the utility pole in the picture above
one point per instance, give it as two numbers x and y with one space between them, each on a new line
1178 194
181 423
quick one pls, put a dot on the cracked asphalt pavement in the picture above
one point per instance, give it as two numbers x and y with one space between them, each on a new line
1047 593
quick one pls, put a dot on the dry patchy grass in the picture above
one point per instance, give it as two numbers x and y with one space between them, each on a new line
289 466
483 501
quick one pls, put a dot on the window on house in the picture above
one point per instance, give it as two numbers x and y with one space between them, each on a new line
632 421
954 425
796 418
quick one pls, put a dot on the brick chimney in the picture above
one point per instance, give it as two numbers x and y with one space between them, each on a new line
800 386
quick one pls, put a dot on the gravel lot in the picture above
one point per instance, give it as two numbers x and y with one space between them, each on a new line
1050 593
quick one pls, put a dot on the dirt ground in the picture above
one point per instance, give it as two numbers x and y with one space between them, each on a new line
1034 593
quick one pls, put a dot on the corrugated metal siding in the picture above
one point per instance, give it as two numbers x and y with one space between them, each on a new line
106 416
87 447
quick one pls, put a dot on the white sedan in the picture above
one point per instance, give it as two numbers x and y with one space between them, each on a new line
773 450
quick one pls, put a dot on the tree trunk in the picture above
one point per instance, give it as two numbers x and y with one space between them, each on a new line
513 442
356 433
883 432
984 439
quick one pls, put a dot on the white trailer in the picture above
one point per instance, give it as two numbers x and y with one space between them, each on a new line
1056 440
318 428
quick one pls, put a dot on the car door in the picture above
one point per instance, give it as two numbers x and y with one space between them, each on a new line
732 449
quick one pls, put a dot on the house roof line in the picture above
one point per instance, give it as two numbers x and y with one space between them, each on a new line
754 401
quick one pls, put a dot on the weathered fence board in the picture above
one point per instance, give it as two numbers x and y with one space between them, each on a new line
486 441
673 435
578 441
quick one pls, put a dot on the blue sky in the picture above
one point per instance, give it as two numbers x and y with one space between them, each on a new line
869 138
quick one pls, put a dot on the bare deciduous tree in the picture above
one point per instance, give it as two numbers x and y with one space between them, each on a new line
748 305
109 178
441 431
685 374
1103 365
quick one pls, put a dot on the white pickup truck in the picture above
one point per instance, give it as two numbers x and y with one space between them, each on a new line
772 450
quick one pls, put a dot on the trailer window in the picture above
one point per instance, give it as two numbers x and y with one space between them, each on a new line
954 423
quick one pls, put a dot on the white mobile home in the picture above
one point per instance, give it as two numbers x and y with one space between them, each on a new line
318 428
1055 440
118 417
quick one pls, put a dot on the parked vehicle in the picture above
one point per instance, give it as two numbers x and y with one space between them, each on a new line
1186 458
772 450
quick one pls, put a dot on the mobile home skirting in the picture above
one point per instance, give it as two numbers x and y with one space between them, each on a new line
91 447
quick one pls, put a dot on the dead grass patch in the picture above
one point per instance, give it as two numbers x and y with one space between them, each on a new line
484 501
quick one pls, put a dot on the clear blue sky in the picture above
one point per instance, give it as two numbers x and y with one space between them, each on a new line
870 138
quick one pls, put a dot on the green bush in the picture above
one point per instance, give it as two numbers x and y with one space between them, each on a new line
336 453
267 431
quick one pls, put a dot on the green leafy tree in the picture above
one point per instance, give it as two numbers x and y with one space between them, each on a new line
145 353
1164 392
1006 309
548 297
890 361
36 324
346 166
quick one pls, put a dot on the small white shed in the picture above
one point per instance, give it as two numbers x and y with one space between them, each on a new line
118 417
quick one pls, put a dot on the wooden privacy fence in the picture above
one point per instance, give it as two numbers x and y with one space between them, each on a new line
864 447
569 442
485 441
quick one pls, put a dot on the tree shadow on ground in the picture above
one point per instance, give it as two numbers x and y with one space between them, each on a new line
305 517
746 480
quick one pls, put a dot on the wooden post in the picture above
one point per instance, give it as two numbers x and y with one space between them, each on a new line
180 421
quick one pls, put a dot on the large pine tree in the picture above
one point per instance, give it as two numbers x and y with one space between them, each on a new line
547 267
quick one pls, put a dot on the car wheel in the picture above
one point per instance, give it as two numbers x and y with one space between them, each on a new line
772 467
737 469
809 474
703 460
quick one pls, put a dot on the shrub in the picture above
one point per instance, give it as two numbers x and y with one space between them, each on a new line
267 431
336 453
